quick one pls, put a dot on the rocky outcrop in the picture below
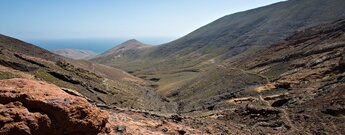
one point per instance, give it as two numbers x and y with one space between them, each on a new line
34 107
17 66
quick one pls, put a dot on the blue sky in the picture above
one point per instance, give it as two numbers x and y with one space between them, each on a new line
60 19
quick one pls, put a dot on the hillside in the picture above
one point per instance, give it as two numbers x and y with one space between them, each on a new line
75 53
234 35
257 28
15 45
118 50
227 39
295 86
301 76
123 52
102 85
278 69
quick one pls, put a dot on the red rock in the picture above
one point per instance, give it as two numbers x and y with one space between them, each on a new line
34 107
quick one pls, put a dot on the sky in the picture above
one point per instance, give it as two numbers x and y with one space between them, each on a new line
110 19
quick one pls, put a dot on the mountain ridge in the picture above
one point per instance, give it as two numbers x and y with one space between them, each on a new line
125 49
235 35
228 39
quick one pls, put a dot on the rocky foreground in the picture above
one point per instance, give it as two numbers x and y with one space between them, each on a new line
34 107
29 107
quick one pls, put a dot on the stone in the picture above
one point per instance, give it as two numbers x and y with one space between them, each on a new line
165 130
121 129
33 107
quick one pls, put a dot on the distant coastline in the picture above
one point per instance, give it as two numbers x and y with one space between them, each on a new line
96 45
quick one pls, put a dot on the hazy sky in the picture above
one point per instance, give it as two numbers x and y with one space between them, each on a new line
60 19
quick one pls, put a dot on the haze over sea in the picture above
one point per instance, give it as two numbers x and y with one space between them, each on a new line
95 45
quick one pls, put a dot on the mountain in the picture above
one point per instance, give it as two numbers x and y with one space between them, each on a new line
276 69
124 51
257 28
279 69
227 39
75 53
102 85
234 35
306 57
296 86
296 83
123 47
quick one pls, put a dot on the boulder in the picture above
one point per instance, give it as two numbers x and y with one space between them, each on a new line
29 107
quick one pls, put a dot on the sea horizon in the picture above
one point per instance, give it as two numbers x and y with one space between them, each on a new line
96 45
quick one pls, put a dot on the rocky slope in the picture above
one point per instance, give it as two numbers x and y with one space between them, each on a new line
30 107
228 39
37 108
312 55
297 85
75 54
103 85
233 36
14 45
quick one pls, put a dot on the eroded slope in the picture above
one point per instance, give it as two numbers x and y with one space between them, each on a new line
103 85
295 86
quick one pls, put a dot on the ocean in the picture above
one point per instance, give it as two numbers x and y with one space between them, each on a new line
95 45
